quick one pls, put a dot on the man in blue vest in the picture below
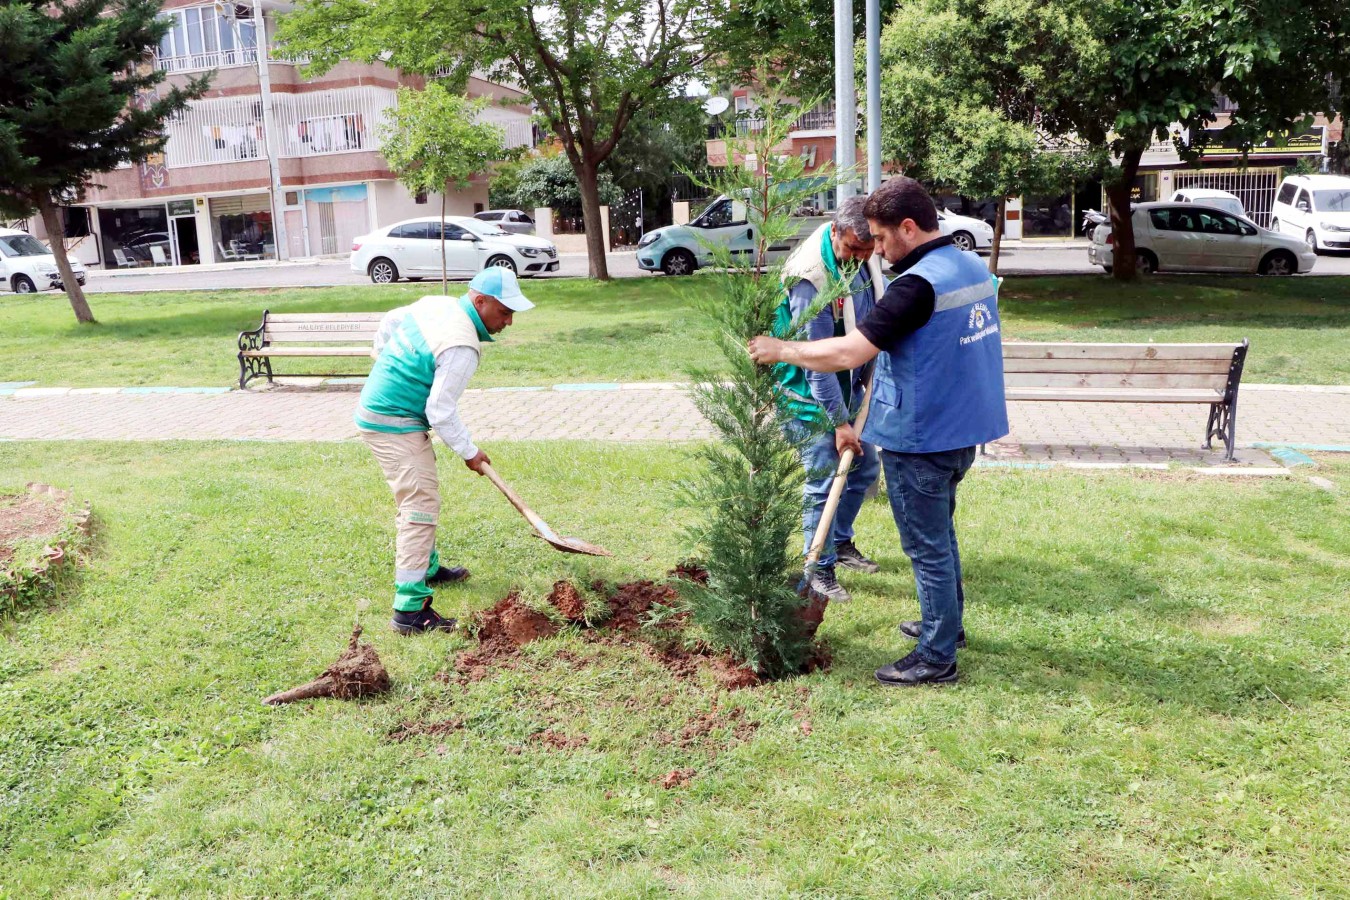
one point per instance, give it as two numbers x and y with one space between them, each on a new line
816 401
937 395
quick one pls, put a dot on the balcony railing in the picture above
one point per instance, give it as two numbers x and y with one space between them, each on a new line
216 59
819 119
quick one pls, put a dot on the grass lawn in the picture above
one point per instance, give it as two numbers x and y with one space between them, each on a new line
645 329
1153 702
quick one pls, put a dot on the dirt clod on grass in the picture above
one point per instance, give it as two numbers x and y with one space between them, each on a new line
675 778
358 672
690 570
567 600
556 740
632 602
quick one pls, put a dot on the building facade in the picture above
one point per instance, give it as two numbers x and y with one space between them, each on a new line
268 164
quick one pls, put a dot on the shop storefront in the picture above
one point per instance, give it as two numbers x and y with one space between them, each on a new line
324 221
162 234
241 228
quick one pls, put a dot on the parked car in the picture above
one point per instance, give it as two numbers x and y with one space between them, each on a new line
512 220
27 264
966 233
1315 209
1210 197
684 249
412 249
1193 238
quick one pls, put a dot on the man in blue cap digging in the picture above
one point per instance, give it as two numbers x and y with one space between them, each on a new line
425 355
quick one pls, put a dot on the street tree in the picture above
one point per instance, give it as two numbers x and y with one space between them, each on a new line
971 90
588 66
1167 63
79 99
434 142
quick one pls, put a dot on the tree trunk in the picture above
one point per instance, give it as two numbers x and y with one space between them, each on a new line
445 278
56 236
589 180
1122 223
998 235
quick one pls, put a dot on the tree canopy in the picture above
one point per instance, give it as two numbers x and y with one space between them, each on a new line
589 66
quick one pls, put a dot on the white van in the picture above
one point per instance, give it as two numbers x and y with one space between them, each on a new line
1315 208
27 264
1210 197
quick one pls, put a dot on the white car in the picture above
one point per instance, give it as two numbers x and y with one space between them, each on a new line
966 233
412 249
1315 209
1209 197
27 264
1188 237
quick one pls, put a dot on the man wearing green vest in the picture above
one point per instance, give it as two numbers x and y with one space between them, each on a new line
837 252
426 354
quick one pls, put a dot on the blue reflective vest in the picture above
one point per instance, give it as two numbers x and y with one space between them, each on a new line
941 387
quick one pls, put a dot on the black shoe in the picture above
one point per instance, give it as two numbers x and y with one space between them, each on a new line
823 582
448 575
913 629
913 671
850 557
421 621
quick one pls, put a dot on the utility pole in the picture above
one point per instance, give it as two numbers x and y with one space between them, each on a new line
845 99
873 94
271 138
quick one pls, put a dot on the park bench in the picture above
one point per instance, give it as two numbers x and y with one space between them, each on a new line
304 335
1131 373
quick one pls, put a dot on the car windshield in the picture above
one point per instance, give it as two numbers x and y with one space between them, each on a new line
485 229
1332 201
23 245
1226 204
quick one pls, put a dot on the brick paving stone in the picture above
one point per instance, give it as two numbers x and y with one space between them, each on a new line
1058 432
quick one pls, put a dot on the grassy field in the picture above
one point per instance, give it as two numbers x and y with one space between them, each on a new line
1153 702
645 329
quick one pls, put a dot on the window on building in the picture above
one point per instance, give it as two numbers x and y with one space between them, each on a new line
420 197
208 37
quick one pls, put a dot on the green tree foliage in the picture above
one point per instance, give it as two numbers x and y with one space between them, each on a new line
1167 61
969 85
748 497
547 180
589 66
78 99
433 143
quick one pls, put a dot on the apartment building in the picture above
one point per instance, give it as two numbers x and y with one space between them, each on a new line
269 164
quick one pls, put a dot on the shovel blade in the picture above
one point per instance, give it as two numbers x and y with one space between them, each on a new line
576 545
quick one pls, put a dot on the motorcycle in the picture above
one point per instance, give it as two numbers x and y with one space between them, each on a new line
1091 219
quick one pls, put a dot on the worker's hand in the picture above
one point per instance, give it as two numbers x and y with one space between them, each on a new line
477 462
845 438
766 350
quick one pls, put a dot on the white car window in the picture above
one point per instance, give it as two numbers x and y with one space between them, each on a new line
23 245
1332 201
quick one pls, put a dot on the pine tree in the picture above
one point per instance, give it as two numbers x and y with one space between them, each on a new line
748 493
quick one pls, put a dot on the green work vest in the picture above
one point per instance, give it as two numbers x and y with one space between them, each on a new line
794 391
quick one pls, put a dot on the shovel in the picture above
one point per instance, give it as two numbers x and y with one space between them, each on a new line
565 544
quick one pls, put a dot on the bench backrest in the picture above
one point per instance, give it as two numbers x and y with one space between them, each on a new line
1162 366
321 328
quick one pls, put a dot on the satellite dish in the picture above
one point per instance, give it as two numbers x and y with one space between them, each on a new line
715 106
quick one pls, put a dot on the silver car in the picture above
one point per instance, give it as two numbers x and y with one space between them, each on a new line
512 220
1190 237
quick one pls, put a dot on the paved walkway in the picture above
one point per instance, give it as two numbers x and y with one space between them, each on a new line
1055 432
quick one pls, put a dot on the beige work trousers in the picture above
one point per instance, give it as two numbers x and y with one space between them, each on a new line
409 465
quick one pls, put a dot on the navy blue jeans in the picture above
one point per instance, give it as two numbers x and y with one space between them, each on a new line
922 489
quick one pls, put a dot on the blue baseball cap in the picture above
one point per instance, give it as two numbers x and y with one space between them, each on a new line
500 283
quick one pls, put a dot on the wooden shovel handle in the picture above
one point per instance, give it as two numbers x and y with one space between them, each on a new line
529 514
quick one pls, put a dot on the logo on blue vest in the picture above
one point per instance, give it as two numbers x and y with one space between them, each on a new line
981 322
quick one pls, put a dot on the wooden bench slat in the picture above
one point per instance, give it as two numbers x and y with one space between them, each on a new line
307 351
319 337
1114 380
1214 366
1068 350
1118 395
325 317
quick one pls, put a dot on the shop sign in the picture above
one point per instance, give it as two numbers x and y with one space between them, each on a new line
1307 143
181 208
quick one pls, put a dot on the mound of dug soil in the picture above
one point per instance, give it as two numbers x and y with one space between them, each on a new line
358 672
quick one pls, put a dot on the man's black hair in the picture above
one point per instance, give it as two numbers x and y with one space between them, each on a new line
899 199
